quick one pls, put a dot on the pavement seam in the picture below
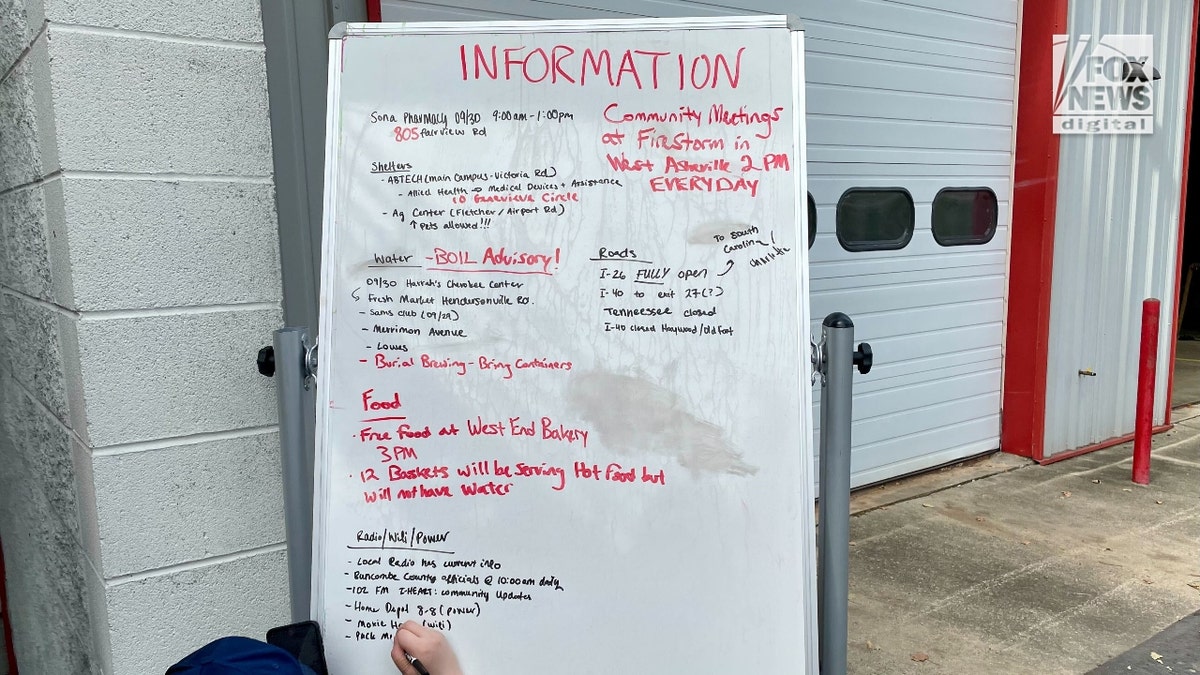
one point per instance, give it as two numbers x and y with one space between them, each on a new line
941 488
1176 460
989 584
1126 460
1033 630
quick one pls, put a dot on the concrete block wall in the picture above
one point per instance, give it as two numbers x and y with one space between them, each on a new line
140 496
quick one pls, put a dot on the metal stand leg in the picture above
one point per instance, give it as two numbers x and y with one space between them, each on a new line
835 363
291 364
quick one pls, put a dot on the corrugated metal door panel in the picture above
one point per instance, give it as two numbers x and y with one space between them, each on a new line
936 27
893 76
977 342
985 363
911 358
673 8
905 134
989 172
414 12
1116 237
996 10
976 328
880 411
887 297
920 323
491 10
838 42
831 269
872 405
877 433
946 365
981 318
838 99
940 445
916 95
917 159
913 47
961 410
879 277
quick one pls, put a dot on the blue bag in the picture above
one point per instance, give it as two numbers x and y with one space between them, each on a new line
239 656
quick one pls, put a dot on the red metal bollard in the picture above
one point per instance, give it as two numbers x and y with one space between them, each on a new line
1147 366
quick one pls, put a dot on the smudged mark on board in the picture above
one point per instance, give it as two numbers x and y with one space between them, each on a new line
633 413
704 232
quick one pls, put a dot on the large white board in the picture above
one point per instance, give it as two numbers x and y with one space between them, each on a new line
564 385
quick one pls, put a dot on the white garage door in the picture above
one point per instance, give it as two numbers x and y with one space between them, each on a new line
910 112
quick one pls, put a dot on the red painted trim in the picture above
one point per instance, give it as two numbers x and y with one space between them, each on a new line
5 621
1031 237
1187 145
374 11
1097 446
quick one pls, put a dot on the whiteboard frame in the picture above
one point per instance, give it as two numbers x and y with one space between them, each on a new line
329 231
808 561
807 518
343 30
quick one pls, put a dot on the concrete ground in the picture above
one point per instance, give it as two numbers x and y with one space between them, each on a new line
1018 568
1186 385
1174 650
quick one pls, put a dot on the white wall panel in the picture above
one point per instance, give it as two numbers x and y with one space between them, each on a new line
916 95
1116 238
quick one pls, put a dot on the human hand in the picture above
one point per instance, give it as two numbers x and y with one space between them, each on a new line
426 645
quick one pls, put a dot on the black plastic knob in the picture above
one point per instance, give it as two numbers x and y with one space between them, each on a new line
863 358
266 361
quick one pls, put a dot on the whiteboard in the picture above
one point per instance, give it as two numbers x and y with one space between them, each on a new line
564 394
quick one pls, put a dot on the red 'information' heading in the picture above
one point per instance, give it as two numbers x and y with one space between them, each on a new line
635 68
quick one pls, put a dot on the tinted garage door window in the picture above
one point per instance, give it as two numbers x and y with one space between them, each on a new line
963 216
875 219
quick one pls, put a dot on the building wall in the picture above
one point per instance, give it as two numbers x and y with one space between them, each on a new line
140 507
1116 238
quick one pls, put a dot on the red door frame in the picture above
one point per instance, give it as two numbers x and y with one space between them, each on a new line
1031 235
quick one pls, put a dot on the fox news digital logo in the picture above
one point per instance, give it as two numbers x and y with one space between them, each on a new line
1103 86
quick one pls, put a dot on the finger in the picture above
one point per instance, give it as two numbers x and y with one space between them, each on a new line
415 627
407 641
401 660
402 641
